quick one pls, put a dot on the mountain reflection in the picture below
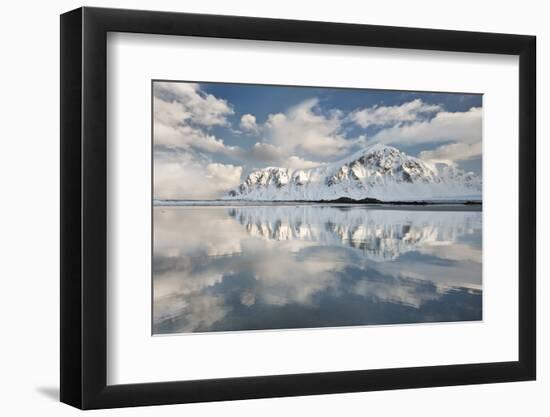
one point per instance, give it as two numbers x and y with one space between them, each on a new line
381 234
276 267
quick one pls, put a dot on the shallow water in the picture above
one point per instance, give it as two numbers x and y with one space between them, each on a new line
223 268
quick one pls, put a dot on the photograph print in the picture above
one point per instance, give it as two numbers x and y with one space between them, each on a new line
296 207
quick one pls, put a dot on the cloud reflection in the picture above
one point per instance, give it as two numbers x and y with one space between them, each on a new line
248 268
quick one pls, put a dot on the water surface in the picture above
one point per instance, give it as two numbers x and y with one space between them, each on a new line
223 268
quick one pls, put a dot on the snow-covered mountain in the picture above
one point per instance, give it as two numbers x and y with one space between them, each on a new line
380 172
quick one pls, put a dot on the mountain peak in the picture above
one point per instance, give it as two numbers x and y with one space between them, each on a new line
375 148
377 171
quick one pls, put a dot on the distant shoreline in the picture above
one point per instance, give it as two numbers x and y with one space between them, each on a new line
347 200
421 205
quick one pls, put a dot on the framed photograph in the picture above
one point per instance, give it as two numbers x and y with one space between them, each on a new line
258 208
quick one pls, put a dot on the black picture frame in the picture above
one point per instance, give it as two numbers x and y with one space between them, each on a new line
84 207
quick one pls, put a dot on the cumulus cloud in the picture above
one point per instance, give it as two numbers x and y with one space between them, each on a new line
276 156
445 126
187 137
389 115
267 153
295 162
183 113
248 123
452 152
188 177
169 113
417 122
183 116
304 130
226 176
192 104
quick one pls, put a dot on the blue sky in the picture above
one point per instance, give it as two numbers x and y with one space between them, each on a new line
214 134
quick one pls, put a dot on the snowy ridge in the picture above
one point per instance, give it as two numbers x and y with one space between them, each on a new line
380 172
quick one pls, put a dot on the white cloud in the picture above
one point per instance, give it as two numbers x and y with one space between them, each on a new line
304 130
188 177
265 152
194 104
461 130
295 162
248 123
389 115
181 113
445 126
187 137
169 113
225 176
452 152
273 155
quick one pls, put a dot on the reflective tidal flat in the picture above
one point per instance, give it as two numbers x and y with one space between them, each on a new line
223 268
